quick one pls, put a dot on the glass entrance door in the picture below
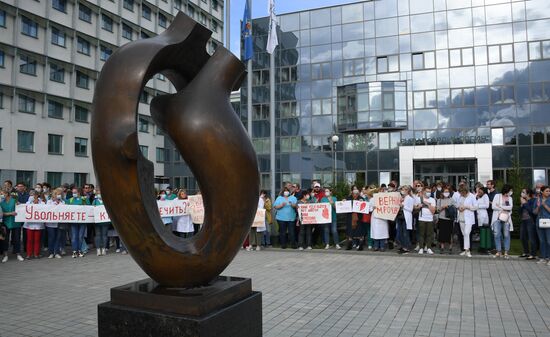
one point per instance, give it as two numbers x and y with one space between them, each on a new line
448 171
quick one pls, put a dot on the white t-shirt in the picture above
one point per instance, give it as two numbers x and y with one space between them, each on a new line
425 213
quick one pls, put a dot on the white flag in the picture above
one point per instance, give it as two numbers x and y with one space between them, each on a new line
272 40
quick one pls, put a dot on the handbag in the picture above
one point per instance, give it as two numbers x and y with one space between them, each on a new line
544 223
504 216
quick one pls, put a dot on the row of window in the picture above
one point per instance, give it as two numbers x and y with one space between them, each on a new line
28 65
25 143
27 104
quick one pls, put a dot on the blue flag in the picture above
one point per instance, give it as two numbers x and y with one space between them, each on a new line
246 31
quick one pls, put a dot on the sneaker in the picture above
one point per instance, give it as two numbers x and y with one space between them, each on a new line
548 263
103 251
430 251
50 256
468 254
5 259
63 252
20 258
98 252
80 254
327 246
417 248
300 248
463 253
338 246
309 248
75 255
248 248
421 251
124 252
541 261
370 247
57 256
117 250
524 255
258 248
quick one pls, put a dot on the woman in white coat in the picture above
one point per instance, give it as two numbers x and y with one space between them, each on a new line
378 227
502 220
183 225
483 203
466 216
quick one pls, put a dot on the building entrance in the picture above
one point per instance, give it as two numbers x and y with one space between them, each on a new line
449 171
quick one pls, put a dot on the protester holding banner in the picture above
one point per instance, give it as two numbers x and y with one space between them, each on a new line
33 229
379 230
404 220
8 203
101 228
52 228
285 204
447 214
331 227
305 228
354 229
78 230
183 225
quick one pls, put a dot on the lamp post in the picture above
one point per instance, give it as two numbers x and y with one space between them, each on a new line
333 140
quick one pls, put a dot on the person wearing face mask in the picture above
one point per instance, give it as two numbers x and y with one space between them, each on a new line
101 228
528 230
379 231
163 196
52 228
447 214
353 223
285 204
404 220
483 204
304 236
330 227
426 221
466 217
542 211
502 220
416 193
33 229
7 204
170 195
78 230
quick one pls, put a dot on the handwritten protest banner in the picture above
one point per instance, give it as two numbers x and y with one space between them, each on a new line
360 206
387 205
176 207
196 207
100 214
343 206
312 214
259 219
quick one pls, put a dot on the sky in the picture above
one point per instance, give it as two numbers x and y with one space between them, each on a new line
259 9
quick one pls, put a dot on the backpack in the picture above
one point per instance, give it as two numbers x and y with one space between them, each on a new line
451 212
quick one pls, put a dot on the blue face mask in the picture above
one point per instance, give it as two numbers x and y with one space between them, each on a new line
2 198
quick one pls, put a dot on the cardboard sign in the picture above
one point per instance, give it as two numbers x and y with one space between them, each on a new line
259 219
100 214
360 206
312 214
387 205
54 213
176 207
196 207
344 206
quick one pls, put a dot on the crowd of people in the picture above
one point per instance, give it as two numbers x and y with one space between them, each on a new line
435 218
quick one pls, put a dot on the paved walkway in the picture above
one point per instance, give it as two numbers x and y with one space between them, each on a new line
313 293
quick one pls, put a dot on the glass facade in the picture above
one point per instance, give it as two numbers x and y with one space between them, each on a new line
391 73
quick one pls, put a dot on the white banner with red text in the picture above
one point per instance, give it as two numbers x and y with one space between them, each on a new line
313 214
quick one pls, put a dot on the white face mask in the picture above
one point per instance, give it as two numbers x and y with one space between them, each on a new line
31 198
355 191
439 188
327 193
428 194
46 190
59 197
286 193
38 189
168 192
537 190
162 196
446 194
75 194
403 193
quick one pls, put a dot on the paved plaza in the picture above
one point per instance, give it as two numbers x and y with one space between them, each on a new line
314 293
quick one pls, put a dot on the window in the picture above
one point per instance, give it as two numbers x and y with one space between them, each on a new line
163 155
55 144
27 65
55 109
425 60
539 91
539 50
386 64
162 20
501 53
260 77
288 109
80 114
321 107
60 5
261 145
462 97
29 27
0 138
127 31
54 178
288 74
146 12
128 4
144 35
424 99
80 147
82 80
214 25
177 4
25 141
461 57
58 37
191 11
502 94
26 104
106 23
497 136
82 46
143 125
25 176
2 59
80 179
144 97
57 73
215 5
387 141
144 151
2 18
290 144
202 19
260 111
105 52
84 13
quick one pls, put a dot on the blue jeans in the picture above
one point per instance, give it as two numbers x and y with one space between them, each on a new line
528 235
266 237
331 227
402 234
53 240
544 238
77 235
62 238
283 227
101 235
380 244
499 229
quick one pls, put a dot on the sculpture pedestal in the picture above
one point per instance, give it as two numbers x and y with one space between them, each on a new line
226 307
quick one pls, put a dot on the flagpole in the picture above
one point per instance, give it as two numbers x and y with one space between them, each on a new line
272 123
227 25
249 80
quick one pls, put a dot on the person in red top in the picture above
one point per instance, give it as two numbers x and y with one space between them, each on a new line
318 193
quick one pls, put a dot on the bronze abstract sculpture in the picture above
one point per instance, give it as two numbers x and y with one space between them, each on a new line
207 133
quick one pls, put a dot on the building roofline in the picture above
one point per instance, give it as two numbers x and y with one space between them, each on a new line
316 8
